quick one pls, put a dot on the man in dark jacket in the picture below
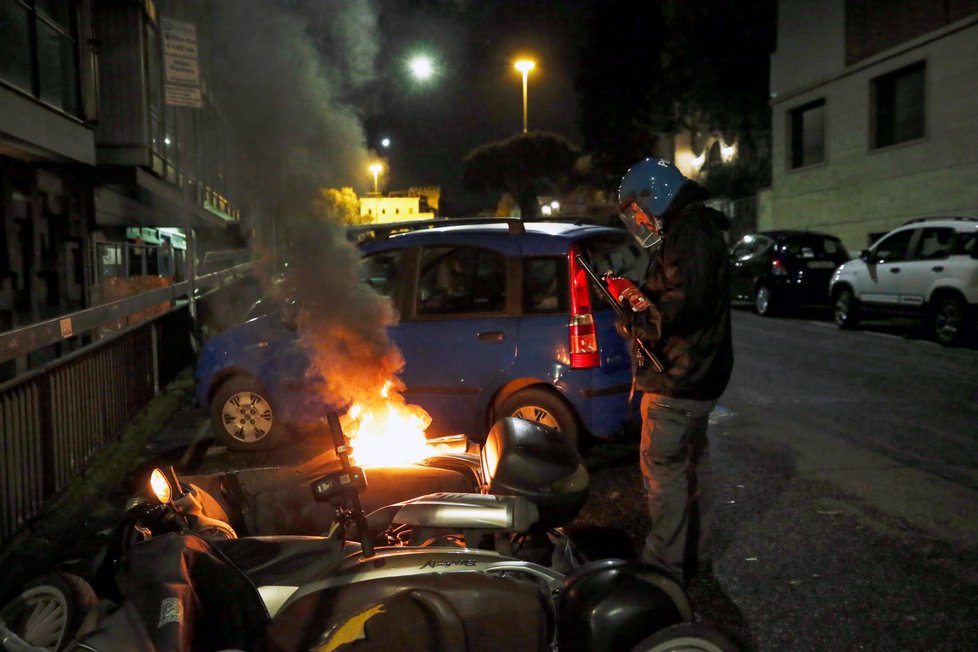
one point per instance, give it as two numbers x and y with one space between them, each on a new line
681 312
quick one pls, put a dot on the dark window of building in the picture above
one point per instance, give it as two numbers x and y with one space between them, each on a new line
806 128
41 31
898 106
15 44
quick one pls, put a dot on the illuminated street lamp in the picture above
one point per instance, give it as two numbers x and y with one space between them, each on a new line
376 169
421 67
524 66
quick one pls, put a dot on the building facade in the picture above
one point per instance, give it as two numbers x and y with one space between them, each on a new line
875 115
105 174
400 206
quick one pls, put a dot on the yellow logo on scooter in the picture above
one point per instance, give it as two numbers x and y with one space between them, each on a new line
350 631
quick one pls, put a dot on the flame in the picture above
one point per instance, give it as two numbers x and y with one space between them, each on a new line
387 431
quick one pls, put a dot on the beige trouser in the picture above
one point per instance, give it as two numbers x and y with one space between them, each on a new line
676 469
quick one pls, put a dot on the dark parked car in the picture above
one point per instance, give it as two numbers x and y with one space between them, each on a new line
779 270
495 320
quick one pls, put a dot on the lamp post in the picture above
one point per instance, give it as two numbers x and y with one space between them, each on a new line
376 168
524 66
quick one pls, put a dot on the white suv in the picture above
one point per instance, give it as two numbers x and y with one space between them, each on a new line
928 268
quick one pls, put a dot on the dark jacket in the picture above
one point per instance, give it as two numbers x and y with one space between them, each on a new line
688 281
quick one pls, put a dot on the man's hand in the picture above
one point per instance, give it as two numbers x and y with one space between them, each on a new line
625 290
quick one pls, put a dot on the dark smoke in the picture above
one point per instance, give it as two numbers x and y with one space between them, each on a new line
283 72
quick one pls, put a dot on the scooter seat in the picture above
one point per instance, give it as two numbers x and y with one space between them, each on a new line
283 560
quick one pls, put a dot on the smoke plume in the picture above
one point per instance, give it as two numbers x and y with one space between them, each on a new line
282 74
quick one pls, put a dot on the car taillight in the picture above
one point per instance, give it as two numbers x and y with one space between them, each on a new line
778 269
583 336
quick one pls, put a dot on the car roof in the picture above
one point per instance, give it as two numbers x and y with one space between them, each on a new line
544 237
781 234
962 223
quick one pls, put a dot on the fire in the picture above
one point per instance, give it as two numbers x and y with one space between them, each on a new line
387 431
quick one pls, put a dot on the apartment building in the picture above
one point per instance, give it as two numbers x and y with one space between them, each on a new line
875 115
114 157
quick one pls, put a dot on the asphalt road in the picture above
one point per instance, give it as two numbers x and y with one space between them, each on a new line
846 474
846 482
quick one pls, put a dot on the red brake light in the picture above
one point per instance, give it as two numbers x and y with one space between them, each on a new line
583 336
777 268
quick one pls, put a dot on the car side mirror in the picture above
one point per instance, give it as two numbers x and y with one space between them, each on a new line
864 255
292 314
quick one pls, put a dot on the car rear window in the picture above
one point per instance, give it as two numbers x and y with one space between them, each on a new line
545 285
966 244
812 247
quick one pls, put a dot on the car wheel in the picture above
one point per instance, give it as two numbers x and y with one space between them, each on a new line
764 301
845 309
542 406
688 637
242 417
948 321
49 610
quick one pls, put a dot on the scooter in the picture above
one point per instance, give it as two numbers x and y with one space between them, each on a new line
183 580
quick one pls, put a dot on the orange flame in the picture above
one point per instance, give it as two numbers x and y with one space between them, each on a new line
387 431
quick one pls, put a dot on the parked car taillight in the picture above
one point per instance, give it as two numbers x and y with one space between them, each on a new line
583 337
777 268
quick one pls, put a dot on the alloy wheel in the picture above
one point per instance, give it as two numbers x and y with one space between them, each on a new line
538 414
948 320
247 416
762 300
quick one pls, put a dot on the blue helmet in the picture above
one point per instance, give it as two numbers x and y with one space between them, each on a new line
652 183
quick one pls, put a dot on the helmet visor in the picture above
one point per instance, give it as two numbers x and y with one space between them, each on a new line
645 228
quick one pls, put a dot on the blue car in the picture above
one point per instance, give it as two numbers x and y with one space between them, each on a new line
496 319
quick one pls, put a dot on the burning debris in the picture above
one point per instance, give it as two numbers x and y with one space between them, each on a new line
343 327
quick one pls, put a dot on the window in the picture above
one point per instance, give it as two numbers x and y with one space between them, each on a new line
935 243
806 126
39 51
892 248
545 285
461 279
967 244
751 245
898 106
382 271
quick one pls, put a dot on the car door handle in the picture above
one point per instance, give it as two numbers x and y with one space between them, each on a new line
491 336
894 270
937 268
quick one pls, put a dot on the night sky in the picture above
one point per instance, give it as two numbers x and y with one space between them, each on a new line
312 86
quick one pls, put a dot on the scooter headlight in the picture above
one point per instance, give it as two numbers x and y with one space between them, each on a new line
160 486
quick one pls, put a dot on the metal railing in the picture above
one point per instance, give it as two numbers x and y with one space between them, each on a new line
53 419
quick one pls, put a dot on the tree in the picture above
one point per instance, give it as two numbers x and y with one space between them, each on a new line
340 204
622 111
524 165
700 65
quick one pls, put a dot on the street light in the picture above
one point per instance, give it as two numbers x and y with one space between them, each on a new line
376 169
524 66
422 67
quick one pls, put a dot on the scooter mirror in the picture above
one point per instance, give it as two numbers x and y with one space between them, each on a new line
160 486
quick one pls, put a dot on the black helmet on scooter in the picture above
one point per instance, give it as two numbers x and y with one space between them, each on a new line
613 604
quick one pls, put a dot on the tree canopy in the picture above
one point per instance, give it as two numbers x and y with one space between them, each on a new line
704 67
339 204
524 165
